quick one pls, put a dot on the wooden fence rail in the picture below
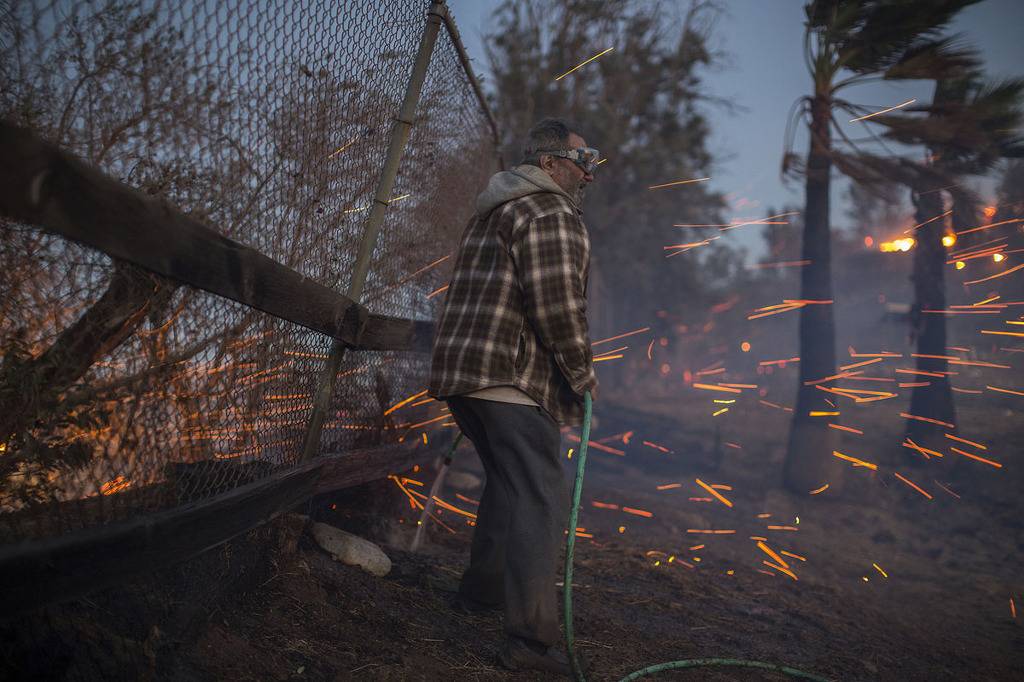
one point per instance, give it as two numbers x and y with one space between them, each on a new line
41 184
41 572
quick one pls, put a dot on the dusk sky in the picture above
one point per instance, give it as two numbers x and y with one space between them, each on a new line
763 72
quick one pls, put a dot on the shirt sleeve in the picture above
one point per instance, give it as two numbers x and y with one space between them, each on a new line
548 253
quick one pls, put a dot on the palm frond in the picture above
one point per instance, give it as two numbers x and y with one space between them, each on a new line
889 29
934 58
970 124
869 170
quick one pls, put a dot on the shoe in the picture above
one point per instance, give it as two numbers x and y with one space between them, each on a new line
471 607
521 654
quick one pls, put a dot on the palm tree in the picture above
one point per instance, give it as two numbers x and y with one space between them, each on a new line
847 42
970 126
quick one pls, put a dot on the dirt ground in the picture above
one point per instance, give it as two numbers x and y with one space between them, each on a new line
266 608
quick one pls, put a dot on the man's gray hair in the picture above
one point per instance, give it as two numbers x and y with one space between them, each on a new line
548 133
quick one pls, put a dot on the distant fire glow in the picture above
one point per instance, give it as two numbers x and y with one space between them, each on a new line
902 244
948 240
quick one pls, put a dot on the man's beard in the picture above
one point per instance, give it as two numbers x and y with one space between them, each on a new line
581 191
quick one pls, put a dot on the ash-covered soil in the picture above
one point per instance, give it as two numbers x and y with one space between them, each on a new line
273 606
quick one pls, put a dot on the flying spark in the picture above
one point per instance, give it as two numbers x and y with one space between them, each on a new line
930 220
678 182
883 111
856 462
341 148
620 336
584 63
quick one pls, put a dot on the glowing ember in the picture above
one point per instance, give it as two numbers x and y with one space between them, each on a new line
441 503
909 443
683 248
598 446
770 552
990 225
998 274
912 485
781 363
927 419
620 336
930 220
437 291
638 512
714 492
780 569
856 462
115 486
997 465
964 440
341 148
584 63
404 402
861 364
785 306
1003 390
710 387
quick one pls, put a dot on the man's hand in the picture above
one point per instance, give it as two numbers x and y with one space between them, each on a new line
593 394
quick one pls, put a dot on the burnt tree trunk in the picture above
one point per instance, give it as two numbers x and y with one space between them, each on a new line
809 460
934 399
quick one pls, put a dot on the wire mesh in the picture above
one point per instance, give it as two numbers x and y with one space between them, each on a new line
122 392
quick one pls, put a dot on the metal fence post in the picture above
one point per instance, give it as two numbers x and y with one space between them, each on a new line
460 50
399 137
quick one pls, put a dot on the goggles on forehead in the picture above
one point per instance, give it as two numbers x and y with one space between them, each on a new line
586 158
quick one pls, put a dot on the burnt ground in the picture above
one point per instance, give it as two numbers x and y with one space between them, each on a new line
266 607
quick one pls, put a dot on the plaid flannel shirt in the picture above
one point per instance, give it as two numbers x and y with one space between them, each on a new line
515 311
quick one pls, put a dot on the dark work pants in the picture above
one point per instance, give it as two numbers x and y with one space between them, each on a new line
522 517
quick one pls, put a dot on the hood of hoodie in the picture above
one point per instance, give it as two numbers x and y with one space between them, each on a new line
513 184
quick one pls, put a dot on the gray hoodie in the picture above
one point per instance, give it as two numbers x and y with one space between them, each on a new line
518 182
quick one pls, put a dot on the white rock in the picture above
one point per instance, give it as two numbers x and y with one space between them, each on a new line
463 480
352 550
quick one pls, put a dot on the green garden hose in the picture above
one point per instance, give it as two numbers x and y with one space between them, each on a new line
570 545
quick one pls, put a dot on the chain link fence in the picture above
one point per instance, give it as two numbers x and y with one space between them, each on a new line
123 392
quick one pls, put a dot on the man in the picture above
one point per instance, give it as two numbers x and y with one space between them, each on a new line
512 358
